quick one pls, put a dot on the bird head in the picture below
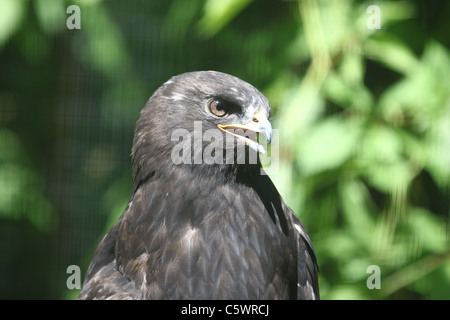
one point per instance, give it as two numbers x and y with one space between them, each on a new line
215 102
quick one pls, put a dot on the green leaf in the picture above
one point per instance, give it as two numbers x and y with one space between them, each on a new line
11 14
327 145
393 53
218 13
51 15
427 229
437 147
381 159
348 95
355 204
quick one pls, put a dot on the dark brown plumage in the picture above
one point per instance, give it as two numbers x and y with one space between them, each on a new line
208 230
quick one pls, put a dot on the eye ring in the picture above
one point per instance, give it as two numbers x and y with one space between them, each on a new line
217 107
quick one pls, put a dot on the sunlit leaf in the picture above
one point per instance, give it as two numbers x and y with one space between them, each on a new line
11 15
355 205
102 44
348 95
382 161
392 53
437 146
430 231
51 15
327 145
218 13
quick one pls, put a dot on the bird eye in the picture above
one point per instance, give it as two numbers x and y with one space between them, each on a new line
217 107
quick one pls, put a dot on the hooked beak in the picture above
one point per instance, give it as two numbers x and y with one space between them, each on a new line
259 124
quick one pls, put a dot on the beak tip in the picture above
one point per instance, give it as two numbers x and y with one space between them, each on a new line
267 131
264 125
269 138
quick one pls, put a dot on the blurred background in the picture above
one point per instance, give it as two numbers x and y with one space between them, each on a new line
361 98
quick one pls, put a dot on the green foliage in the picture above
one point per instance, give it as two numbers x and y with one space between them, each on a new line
20 193
354 154
11 14
218 13
363 116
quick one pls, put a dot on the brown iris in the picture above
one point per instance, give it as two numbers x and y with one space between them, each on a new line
217 107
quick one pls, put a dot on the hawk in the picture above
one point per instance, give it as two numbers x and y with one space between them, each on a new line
203 221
